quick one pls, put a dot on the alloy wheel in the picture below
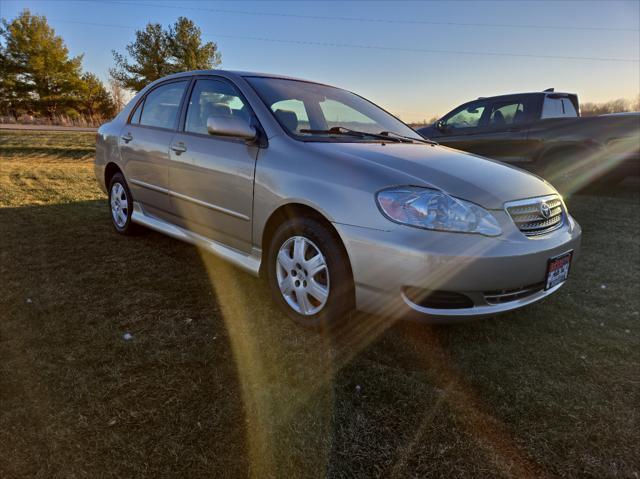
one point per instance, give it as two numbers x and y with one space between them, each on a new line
119 205
303 275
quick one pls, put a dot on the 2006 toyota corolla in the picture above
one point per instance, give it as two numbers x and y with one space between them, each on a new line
337 203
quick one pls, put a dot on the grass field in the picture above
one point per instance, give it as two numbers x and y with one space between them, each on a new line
217 383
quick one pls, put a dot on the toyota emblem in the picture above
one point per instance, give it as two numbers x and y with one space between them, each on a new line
545 210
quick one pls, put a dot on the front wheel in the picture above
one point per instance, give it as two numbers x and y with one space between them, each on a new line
309 273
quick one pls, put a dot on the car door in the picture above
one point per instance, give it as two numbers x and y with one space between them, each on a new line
459 129
144 145
211 178
504 135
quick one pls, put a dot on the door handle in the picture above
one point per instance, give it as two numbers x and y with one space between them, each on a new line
179 148
127 138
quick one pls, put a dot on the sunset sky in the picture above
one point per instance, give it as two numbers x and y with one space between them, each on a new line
416 59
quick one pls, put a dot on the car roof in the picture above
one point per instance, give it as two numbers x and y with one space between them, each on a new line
237 73
515 95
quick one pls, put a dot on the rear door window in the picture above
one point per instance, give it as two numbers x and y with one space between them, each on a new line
162 105
505 114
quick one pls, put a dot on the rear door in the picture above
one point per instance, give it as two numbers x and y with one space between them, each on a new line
211 177
504 134
144 145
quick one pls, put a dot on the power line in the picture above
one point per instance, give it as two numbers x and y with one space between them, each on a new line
383 20
424 50
378 47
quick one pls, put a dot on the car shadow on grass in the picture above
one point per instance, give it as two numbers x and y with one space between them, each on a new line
46 153
131 356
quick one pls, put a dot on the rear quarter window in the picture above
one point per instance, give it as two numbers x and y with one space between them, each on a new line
135 118
558 108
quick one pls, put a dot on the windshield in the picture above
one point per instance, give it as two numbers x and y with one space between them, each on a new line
309 110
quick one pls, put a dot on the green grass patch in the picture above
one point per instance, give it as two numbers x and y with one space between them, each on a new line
49 145
217 383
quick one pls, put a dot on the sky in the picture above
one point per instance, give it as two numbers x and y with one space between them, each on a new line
415 59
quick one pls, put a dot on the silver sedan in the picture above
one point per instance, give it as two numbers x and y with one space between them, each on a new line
337 203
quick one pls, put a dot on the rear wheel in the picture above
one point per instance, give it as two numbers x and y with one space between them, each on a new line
309 274
121 205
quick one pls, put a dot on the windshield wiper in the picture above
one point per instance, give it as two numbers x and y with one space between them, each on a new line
341 130
393 134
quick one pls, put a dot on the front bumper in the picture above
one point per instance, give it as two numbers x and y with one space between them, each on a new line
495 275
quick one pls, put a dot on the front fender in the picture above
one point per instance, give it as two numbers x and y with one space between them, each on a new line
336 188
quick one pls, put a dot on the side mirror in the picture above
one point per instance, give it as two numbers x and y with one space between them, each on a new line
229 126
440 126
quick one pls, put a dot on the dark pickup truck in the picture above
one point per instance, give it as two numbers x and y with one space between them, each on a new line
544 133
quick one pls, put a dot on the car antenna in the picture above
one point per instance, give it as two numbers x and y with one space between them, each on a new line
549 90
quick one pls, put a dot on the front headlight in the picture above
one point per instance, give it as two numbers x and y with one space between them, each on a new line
435 210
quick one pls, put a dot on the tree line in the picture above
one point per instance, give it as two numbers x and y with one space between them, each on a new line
40 81
614 106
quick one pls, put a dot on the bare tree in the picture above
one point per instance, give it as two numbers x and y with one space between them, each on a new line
613 106
118 94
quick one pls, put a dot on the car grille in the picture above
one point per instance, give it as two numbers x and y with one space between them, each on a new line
437 299
506 295
530 218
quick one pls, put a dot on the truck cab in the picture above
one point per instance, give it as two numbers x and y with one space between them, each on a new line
497 127
543 132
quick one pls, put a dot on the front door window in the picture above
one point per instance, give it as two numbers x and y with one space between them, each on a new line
468 117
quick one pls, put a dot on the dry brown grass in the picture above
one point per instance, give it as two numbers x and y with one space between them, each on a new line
217 383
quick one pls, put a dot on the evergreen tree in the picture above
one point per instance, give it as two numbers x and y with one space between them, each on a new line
187 50
37 73
156 52
94 101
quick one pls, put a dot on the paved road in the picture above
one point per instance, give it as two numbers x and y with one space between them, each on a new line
10 126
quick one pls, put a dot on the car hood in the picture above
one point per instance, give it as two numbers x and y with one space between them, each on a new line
470 177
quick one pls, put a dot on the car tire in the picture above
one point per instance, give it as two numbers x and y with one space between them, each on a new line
121 206
305 259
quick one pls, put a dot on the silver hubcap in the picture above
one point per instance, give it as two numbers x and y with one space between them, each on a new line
119 205
303 276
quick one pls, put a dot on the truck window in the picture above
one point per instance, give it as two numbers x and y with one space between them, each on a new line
506 114
558 108
568 107
468 117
